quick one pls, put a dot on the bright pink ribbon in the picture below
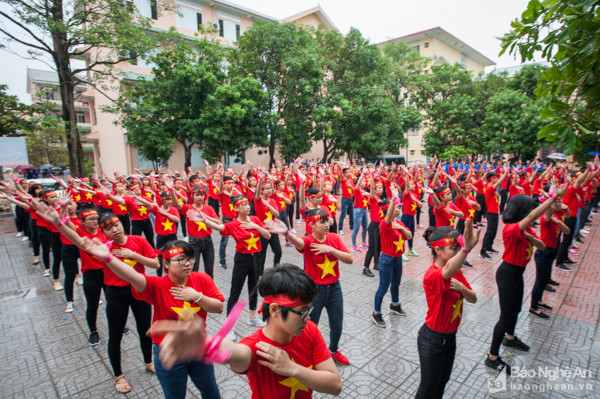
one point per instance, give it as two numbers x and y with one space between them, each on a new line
213 354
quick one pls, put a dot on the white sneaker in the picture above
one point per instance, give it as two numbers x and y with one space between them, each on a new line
294 231
25 238
298 221
585 231
78 280
341 232
57 286
186 239
19 234
69 308
256 322
231 335
46 272
100 302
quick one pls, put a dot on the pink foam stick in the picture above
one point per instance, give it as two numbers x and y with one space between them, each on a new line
213 354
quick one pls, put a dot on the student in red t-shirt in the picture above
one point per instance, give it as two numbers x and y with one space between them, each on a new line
322 251
519 240
393 234
492 207
445 289
410 205
246 231
286 358
361 217
376 215
444 210
226 192
265 207
70 253
50 240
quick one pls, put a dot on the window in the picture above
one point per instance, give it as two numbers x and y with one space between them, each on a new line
50 95
221 28
188 17
199 19
463 60
142 162
417 48
237 31
80 118
146 8
412 152
426 44
413 132
197 159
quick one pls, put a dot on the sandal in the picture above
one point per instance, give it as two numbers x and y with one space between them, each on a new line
121 385
150 367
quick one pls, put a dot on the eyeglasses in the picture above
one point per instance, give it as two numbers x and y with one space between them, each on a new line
183 261
304 314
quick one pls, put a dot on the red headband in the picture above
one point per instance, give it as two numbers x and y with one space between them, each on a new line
109 222
49 193
85 214
173 252
443 242
281 300
443 192
266 186
316 217
314 195
133 187
240 201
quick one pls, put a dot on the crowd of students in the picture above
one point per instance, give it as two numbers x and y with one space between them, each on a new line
109 225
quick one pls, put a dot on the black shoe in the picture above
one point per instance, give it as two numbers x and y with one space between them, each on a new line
223 265
126 331
569 262
467 264
544 306
397 309
497 364
485 255
367 272
492 250
378 320
376 267
516 343
94 339
540 315
553 282
579 240
562 267
550 289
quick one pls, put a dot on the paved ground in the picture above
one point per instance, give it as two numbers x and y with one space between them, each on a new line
46 354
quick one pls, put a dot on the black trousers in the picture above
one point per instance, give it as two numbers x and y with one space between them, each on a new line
244 265
21 220
275 245
543 271
374 245
143 226
35 237
118 302
215 204
50 240
70 254
431 216
161 241
93 284
183 223
289 210
509 279
203 247
436 355
126 222
490 232
563 249
503 199
479 214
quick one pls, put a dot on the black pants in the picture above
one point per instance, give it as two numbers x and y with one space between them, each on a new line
203 247
431 216
479 214
93 284
143 226
509 279
374 245
35 237
70 254
223 243
490 232
161 241
215 204
503 199
563 249
244 265
50 240
436 355
126 222
543 271
283 216
183 223
289 210
275 245
460 226
118 302
21 220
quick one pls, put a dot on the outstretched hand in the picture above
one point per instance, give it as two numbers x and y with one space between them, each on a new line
183 341
275 226
470 239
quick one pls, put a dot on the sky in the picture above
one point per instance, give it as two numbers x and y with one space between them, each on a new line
478 23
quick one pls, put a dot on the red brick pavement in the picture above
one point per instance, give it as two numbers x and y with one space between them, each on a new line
577 297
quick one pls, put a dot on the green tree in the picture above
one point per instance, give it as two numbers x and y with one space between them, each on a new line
46 142
566 34
191 100
284 59
103 32
15 117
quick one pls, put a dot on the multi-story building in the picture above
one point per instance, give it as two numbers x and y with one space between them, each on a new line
438 45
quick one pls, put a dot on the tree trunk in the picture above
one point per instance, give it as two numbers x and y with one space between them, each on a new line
271 152
187 156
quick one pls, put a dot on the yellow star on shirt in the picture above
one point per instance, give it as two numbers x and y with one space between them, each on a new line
328 267
149 195
457 309
130 262
123 208
331 208
252 242
167 225
294 384
471 212
381 213
88 195
282 203
365 203
413 207
143 210
215 191
349 191
201 226
399 244
483 190
109 202
186 305
269 215
291 195
231 207
77 198
529 250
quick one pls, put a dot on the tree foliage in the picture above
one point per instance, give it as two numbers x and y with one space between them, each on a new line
46 142
15 117
566 34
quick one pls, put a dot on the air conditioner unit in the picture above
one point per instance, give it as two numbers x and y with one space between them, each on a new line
215 25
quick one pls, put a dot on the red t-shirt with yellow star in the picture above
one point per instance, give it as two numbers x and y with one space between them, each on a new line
163 226
444 306
549 232
491 199
262 211
138 212
392 240
198 229
246 241
117 208
307 349
323 268
375 211
443 217
360 199
329 204
517 248
227 206
409 206
166 307
138 245
89 262
347 188
467 209
307 228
